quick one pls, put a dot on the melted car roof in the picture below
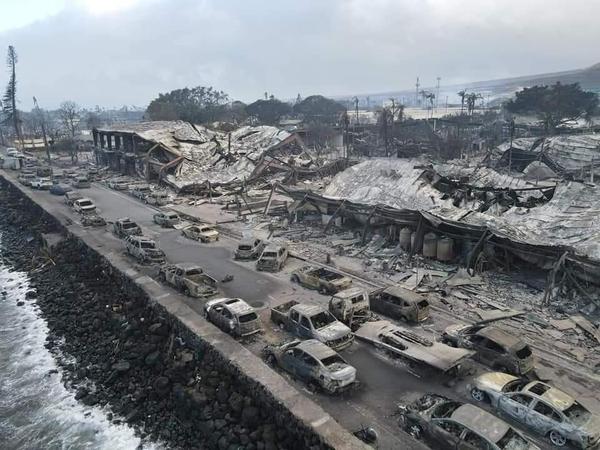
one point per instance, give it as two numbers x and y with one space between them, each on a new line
481 422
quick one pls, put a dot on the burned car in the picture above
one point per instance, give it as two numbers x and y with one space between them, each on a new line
202 233
494 347
92 220
84 206
144 249
166 219
272 258
351 307
249 248
400 303
124 227
188 278
313 362
324 280
70 197
449 424
312 322
540 407
233 315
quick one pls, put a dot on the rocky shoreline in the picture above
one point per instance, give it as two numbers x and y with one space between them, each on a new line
119 351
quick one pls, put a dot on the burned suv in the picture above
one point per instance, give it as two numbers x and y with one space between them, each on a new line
144 249
494 347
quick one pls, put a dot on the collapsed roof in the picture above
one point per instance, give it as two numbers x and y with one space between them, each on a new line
564 216
564 154
195 155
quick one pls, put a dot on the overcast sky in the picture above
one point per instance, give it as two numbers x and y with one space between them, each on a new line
116 52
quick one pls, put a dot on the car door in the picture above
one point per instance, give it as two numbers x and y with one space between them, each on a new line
492 353
472 441
178 277
304 363
289 360
543 417
304 328
445 434
515 405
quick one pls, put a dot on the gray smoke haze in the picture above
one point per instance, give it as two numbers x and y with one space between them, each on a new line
333 47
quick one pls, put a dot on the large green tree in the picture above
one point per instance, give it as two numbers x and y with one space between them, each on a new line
317 108
198 105
268 111
555 105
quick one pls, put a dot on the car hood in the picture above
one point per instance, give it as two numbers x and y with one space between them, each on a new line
493 381
454 330
341 281
332 331
342 372
209 233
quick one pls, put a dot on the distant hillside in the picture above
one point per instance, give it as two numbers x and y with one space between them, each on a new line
589 78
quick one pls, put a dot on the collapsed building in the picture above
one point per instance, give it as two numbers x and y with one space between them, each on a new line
475 215
193 158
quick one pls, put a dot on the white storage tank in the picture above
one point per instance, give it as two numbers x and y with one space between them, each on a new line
430 245
445 249
405 238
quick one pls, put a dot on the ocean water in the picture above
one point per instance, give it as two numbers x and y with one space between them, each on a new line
36 410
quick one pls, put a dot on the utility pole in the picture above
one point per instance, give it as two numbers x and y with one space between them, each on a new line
437 94
512 134
40 114
417 92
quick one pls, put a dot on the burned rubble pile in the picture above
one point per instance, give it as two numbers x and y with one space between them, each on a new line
118 351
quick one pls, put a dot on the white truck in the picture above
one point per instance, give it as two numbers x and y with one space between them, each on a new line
312 322
188 278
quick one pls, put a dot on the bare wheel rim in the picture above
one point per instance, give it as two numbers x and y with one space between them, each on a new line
477 395
557 439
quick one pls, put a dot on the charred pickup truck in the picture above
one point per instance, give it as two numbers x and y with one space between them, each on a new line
313 362
351 307
188 278
233 315
404 343
322 279
312 322
400 303
493 346
124 227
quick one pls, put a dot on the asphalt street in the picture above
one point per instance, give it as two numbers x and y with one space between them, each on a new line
385 381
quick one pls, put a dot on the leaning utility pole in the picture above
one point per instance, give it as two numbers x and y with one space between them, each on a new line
43 124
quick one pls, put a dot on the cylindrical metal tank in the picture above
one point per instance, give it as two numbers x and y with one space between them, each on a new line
445 249
405 238
430 245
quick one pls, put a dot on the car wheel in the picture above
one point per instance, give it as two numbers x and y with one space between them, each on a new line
557 438
478 395
271 359
322 290
186 291
312 387
295 279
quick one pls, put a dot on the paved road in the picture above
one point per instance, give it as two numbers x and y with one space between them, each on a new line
386 382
